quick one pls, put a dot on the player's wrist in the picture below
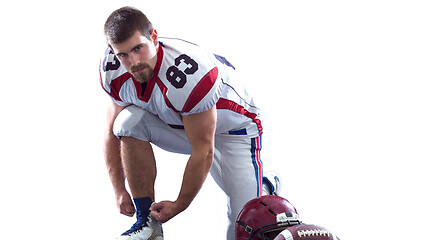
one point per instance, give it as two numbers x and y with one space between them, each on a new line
181 204
120 190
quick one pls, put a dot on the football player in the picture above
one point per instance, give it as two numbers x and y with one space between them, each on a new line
183 99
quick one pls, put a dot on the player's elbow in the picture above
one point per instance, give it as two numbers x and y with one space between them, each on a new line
209 157
204 156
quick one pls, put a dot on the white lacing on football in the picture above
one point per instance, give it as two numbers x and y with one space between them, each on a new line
313 232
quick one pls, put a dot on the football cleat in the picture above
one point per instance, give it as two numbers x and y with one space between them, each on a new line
271 184
145 228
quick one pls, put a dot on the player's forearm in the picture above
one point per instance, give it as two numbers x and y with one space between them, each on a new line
200 129
114 162
195 174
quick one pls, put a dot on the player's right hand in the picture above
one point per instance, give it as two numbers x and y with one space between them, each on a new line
124 204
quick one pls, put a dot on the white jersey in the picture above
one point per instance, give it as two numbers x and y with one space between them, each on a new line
186 80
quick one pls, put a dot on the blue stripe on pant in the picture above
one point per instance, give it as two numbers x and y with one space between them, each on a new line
256 158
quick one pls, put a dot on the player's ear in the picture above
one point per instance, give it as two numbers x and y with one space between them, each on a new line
154 37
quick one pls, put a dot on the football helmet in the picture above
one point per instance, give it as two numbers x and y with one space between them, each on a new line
264 217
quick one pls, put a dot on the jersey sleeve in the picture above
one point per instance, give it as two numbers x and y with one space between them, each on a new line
205 94
112 77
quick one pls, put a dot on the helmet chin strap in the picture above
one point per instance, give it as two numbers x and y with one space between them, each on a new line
248 229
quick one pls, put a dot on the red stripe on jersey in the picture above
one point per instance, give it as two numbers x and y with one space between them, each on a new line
163 90
201 90
233 106
116 85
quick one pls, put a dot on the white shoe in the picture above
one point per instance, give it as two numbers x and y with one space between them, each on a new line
143 229
271 184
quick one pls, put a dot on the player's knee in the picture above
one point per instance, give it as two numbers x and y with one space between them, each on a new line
130 123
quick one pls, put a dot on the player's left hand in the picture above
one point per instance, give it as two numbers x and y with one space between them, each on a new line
164 210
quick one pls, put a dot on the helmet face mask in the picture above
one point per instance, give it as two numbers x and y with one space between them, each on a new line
264 217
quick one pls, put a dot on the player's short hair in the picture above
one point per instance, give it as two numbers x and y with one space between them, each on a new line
124 22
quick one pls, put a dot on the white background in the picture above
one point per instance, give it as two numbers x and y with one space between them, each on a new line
339 84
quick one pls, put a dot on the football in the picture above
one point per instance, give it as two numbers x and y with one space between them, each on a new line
306 232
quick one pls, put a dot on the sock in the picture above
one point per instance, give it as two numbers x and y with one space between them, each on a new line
143 204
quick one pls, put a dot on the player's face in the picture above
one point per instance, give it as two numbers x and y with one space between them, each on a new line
138 55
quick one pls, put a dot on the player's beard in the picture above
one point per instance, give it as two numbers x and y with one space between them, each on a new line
143 76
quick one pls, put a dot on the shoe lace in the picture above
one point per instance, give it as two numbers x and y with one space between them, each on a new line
139 224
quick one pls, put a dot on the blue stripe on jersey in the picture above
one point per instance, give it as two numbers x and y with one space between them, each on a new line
238 132
224 61
256 158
